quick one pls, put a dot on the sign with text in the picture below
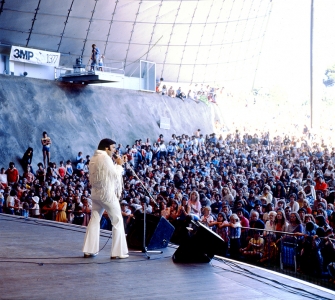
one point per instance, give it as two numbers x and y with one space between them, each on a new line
34 56
164 123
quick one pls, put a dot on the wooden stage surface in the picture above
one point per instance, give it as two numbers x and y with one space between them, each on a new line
43 260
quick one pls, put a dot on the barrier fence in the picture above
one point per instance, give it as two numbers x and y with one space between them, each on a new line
307 257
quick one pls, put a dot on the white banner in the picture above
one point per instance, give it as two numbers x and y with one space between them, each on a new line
34 56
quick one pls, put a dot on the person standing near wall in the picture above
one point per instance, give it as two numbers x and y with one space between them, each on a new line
46 142
27 158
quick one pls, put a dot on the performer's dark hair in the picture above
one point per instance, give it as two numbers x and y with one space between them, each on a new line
105 143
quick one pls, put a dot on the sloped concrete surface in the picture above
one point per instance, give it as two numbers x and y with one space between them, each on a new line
76 117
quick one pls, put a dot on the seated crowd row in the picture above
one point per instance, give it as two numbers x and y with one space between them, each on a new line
197 92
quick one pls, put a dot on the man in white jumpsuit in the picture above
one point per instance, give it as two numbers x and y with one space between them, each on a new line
106 181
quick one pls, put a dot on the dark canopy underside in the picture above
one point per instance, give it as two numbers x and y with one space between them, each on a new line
190 41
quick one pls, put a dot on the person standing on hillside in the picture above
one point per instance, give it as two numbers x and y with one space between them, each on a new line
27 158
46 142
106 180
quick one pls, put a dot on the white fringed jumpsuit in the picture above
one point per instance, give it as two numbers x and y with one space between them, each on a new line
106 181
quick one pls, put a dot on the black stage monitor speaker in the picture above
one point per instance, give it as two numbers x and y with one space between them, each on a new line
200 246
158 233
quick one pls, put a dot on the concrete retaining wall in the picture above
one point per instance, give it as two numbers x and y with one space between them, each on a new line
76 117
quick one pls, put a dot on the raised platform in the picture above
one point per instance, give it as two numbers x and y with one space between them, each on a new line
91 77
43 260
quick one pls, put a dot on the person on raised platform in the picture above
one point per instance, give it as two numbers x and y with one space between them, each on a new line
94 57
106 180
101 63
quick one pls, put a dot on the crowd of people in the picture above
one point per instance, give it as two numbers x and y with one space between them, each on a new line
196 92
254 191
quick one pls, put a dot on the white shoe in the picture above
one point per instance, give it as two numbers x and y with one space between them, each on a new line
121 256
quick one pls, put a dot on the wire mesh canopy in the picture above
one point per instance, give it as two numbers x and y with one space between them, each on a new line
198 41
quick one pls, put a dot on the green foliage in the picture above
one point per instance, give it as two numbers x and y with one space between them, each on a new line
330 74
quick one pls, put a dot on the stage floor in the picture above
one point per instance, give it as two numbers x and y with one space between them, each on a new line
43 260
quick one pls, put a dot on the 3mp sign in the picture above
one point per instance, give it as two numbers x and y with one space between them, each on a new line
34 56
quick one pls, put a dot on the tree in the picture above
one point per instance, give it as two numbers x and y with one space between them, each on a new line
330 76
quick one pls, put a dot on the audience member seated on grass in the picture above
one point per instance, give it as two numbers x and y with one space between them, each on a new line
178 92
69 168
171 92
231 172
12 174
181 95
79 157
80 166
164 90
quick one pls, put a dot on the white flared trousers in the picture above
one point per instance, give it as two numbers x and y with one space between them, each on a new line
92 236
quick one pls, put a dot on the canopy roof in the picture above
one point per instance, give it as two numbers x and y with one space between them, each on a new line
189 40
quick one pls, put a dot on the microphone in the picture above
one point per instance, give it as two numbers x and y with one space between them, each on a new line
115 156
